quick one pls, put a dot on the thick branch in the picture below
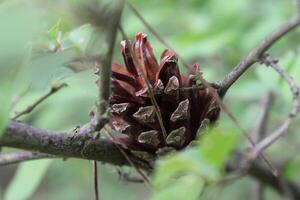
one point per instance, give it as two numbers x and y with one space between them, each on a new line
22 136
262 173
256 53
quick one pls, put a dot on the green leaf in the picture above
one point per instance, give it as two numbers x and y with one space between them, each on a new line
188 161
46 67
186 187
201 163
216 145
78 38
26 179
54 32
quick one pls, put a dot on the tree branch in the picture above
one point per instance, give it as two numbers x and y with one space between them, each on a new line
259 171
259 131
101 116
54 89
256 53
14 158
23 136
281 130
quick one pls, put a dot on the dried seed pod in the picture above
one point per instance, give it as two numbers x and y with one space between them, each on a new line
182 110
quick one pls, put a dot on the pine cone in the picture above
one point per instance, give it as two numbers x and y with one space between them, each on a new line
184 108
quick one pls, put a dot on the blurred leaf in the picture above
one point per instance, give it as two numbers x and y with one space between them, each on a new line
54 32
216 145
20 24
46 67
78 38
268 77
186 187
201 163
26 179
188 161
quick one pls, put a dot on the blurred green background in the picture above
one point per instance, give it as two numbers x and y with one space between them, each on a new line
39 38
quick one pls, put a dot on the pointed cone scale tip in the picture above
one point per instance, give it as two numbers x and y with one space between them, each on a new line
181 112
176 137
145 114
172 85
149 137
119 108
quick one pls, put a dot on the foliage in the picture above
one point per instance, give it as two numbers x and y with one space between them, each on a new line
190 170
38 39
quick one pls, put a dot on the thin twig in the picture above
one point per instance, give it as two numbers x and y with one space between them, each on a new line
140 64
121 29
259 130
126 177
95 183
148 26
257 134
135 167
105 73
283 128
258 170
255 54
54 89
14 158
236 122
105 81
17 98
101 116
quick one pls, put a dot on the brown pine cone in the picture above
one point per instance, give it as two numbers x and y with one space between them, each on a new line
183 107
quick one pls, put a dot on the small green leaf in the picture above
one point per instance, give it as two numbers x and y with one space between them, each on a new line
54 32
26 179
